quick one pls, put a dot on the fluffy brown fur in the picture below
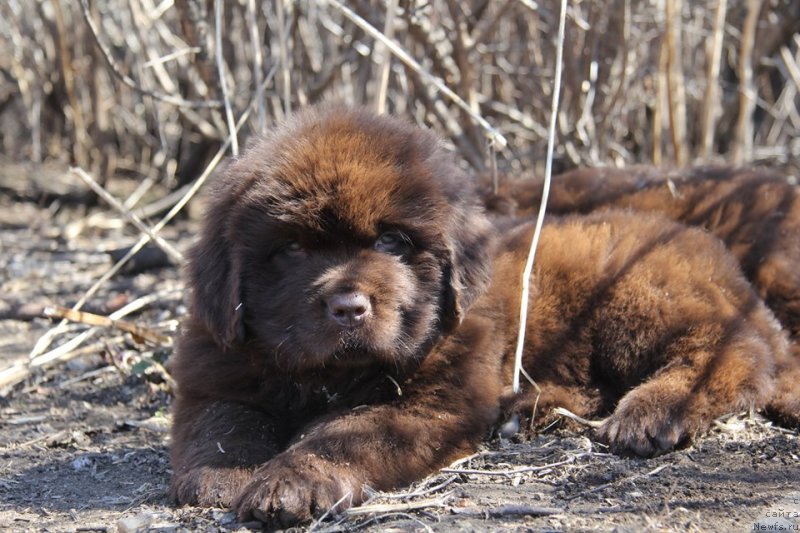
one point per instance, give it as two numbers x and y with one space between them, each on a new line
755 212
346 330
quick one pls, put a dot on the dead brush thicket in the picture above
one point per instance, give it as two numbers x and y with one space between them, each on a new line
133 87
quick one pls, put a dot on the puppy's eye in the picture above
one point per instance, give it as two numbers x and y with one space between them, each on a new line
392 242
293 249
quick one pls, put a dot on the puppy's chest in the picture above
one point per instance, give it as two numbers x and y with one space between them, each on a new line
316 394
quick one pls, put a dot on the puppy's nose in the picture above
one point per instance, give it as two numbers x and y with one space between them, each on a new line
349 309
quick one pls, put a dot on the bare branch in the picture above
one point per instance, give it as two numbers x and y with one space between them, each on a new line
223 84
93 319
743 149
494 135
106 54
710 103
388 30
173 254
676 94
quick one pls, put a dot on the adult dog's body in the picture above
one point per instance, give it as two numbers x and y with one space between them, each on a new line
346 329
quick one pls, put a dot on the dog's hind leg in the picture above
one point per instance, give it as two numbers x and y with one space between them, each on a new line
706 381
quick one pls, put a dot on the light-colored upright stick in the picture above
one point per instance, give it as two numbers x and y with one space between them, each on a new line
551 140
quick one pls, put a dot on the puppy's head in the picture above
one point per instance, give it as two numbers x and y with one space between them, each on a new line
341 237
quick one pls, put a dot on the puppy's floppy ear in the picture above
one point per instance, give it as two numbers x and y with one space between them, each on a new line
214 272
469 267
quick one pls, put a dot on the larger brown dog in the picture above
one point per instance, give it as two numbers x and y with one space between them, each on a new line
346 330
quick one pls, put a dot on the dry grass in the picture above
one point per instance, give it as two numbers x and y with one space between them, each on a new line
658 80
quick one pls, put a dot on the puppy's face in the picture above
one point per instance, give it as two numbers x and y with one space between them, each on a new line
342 239
314 296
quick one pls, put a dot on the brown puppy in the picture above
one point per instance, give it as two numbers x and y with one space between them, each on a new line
755 212
346 331
646 319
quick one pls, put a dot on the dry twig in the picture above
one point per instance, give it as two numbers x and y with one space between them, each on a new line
173 254
626 479
551 139
507 510
747 93
494 135
676 95
710 99
580 420
108 57
223 82
515 471
381 508
140 333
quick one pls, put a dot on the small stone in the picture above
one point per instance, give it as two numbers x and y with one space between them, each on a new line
135 524
509 428
223 517
81 462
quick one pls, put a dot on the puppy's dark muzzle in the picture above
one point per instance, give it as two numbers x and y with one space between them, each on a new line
349 309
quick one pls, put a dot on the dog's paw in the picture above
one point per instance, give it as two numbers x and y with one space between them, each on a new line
644 427
210 487
292 489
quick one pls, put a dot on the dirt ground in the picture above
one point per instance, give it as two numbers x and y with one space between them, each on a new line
83 440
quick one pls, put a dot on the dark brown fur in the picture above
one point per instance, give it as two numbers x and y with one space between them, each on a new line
755 212
292 398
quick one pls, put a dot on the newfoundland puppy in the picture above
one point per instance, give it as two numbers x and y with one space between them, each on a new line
755 212
353 319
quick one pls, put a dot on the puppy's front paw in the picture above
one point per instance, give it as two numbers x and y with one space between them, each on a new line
291 489
644 426
208 486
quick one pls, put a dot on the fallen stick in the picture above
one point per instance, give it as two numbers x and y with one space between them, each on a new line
513 471
422 491
580 420
62 352
139 333
20 369
173 254
626 479
394 507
